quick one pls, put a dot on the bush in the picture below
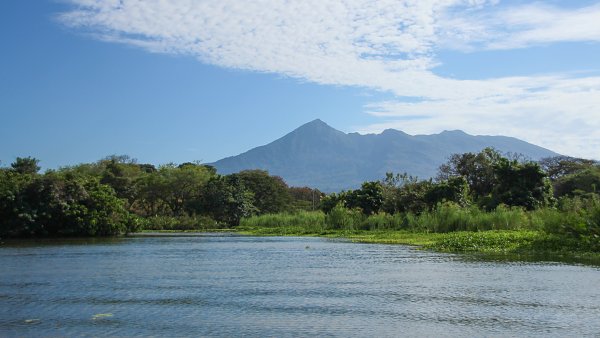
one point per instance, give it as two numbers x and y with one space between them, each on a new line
53 205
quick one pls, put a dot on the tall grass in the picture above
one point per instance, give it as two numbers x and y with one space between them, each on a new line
302 222
340 218
571 231
451 217
577 221
575 218
181 223
445 218
383 221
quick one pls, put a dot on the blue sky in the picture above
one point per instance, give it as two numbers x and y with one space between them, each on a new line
177 81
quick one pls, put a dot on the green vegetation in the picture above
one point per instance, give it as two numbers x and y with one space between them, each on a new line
479 202
579 220
482 203
116 195
300 224
504 231
182 223
59 204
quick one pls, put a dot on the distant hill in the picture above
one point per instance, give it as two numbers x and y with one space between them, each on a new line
317 155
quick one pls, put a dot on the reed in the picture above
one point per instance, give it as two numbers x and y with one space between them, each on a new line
300 223
569 231
181 223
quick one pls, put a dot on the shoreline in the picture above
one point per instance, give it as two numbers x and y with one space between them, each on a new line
493 245
507 245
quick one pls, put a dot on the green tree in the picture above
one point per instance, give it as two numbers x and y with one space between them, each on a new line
271 194
26 165
66 205
14 213
583 182
226 200
391 186
330 201
152 190
121 176
178 187
455 189
412 197
477 169
404 193
560 166
369 198
305 198
521 184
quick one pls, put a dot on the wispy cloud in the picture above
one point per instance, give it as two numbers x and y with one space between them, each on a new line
387 45
520 26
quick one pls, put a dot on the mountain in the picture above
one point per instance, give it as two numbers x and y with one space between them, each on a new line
317 155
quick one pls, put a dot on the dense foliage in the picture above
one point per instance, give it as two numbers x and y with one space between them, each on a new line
486 179
59 204
117 195
472 192
476 192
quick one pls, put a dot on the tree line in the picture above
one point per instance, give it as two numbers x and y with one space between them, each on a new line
485 180
479 191
117 195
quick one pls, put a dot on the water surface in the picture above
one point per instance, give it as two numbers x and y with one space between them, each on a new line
272 286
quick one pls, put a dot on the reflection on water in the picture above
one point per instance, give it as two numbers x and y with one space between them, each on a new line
224 285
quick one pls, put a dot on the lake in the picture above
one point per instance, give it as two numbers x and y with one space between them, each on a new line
227 285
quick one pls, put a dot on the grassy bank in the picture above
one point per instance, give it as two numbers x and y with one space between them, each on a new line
504 232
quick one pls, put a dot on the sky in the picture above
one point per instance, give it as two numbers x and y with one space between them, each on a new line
199 80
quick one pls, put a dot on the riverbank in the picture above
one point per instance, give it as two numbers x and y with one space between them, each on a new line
514 243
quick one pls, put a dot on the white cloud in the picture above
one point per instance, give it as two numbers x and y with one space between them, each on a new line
563 115
387 45
521 26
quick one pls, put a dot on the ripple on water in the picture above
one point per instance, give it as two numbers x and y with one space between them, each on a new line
232 286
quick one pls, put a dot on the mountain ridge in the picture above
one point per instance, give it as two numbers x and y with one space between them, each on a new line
318 155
